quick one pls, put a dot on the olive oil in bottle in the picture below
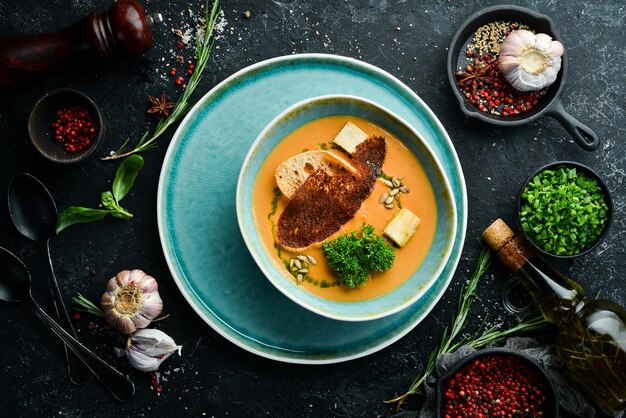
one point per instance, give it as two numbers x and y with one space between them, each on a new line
591 341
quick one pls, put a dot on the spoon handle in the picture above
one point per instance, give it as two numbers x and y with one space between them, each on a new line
115 382
77 370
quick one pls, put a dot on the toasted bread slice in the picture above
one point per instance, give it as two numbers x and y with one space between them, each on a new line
326 201
293 172
350 137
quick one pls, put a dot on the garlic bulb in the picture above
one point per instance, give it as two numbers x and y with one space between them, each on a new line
530 62
131 301
146 349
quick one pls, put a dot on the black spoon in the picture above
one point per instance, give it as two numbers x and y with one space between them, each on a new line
15 287
34 215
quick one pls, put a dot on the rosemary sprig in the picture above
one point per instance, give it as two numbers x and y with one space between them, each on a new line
534 322
492 335
85 305
204 45
466 297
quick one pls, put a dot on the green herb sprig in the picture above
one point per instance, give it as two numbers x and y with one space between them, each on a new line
352 257
563 211
492 335
82 304
204 45
124 179
85 305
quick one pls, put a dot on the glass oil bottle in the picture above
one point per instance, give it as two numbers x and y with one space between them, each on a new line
591 341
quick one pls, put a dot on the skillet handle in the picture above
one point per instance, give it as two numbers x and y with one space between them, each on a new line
584 135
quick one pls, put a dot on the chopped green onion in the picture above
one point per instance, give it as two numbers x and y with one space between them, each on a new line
563 210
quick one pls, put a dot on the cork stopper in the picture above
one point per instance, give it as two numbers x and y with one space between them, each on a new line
510 249
498 234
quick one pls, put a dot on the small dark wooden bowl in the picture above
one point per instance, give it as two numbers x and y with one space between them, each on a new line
607 199
45 112
552 409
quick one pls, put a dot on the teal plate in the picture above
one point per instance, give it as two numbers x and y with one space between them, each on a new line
198 222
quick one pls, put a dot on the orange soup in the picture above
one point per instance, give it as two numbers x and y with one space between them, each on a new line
399 162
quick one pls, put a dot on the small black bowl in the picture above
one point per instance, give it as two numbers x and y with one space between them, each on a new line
44 113
552 408
590 173
548 105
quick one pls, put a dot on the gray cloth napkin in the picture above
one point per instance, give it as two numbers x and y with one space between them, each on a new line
570 401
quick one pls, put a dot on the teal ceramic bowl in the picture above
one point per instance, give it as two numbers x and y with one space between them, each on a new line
421 280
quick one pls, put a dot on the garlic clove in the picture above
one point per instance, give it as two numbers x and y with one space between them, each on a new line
121 280
152 307
527 37
140 321
514 44
154 342
543 42
131 301
530 62
519 77
146 349
530 81
143 362
507 63
556 49
124 324
148 284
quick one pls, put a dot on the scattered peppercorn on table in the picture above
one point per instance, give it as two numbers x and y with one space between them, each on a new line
212 376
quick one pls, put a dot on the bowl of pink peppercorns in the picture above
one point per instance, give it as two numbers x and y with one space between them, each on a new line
65 126
496 383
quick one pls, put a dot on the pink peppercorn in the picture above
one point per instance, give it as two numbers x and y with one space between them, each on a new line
495 386
74 128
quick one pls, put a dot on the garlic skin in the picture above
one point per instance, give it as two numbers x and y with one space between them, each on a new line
146 349
131 301
530 62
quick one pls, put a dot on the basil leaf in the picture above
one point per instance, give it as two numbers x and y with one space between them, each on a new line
108 201
126 175
122 214
78 215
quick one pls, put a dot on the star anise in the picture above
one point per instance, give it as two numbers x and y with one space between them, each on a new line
475 73
160 106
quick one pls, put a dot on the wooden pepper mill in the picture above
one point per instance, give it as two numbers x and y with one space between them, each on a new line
123 30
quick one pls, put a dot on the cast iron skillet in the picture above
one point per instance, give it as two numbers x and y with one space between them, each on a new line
549 104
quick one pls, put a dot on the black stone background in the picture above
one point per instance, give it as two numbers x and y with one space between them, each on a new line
214 377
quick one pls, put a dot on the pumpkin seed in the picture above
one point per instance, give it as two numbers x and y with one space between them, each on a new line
389 206
396 182
312 260
303 271
394 192
291 263
405 189
383 197
389 200
300 278
302 257
297 263
388 183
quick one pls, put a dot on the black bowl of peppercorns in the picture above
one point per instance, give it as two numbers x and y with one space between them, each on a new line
65 126
496 382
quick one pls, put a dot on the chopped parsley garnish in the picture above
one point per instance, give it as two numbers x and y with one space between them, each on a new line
563 211
353 257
